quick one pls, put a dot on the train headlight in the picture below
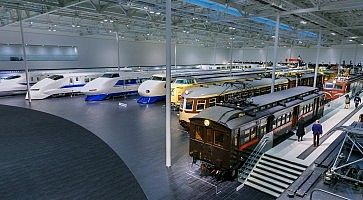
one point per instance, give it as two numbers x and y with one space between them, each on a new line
206 122
186 92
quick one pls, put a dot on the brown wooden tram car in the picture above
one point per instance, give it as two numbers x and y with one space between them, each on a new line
219 135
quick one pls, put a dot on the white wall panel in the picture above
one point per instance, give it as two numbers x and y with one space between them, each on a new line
95 52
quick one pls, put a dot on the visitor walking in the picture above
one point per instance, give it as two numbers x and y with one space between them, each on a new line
357 101
317 131
300 132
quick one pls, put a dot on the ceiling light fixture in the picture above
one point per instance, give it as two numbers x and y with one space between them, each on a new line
354 37
303 22
105 20
157 13
73 25
350 40
333 33
78 26
111 21
152 12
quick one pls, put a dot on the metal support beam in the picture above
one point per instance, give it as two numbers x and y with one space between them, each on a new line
20 18
69 4
275 52
317 59
168 84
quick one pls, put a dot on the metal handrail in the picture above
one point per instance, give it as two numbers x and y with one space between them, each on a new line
327 192
251 160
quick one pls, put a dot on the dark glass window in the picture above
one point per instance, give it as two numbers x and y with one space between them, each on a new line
56 77
189 105
12 77
218 138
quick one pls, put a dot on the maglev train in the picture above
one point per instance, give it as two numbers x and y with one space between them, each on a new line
61 84
114 84
15 83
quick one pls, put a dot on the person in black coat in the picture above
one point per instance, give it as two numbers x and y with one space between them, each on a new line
300 129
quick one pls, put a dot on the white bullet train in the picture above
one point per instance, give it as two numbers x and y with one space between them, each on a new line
61 84
15 83
114 84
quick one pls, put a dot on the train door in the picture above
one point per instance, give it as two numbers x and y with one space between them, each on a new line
295 115
316 106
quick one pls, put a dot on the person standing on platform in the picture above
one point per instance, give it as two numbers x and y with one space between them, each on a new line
300 129
347 101
317 131
357 101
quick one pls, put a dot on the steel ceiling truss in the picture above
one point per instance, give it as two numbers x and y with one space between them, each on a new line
144 20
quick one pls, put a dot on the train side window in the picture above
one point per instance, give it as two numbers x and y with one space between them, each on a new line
70 80
86 80
253 132
198 133
77 78
32 79
200 105
212 102
189 105
338 87
247 135
218 138
38 78
210 136
236 140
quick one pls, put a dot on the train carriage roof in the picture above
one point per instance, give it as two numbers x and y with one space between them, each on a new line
229 116
219 89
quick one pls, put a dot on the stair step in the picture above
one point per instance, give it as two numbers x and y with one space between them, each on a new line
274 176
270 180
285 161
276 171
279 167
262 189
286 164
265 184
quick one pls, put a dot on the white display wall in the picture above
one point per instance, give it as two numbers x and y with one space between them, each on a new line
101 52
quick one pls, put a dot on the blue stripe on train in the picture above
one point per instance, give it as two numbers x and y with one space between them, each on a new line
71 86
150 100
101 97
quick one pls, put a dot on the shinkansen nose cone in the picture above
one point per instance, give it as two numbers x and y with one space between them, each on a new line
96 86
151 91
151 88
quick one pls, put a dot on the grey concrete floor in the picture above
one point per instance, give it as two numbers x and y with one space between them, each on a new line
136 133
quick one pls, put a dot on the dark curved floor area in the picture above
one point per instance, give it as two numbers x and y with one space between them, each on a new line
47 157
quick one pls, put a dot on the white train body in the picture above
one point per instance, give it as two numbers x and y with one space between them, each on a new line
16 83
62 84
114 84
152 90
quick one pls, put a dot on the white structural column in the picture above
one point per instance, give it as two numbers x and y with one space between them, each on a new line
175 55
118 51
24 56
231 61
355 55
168 84
317 59
340 57
275 52
266 56
215 54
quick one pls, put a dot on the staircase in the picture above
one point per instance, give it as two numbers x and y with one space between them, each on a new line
274 175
